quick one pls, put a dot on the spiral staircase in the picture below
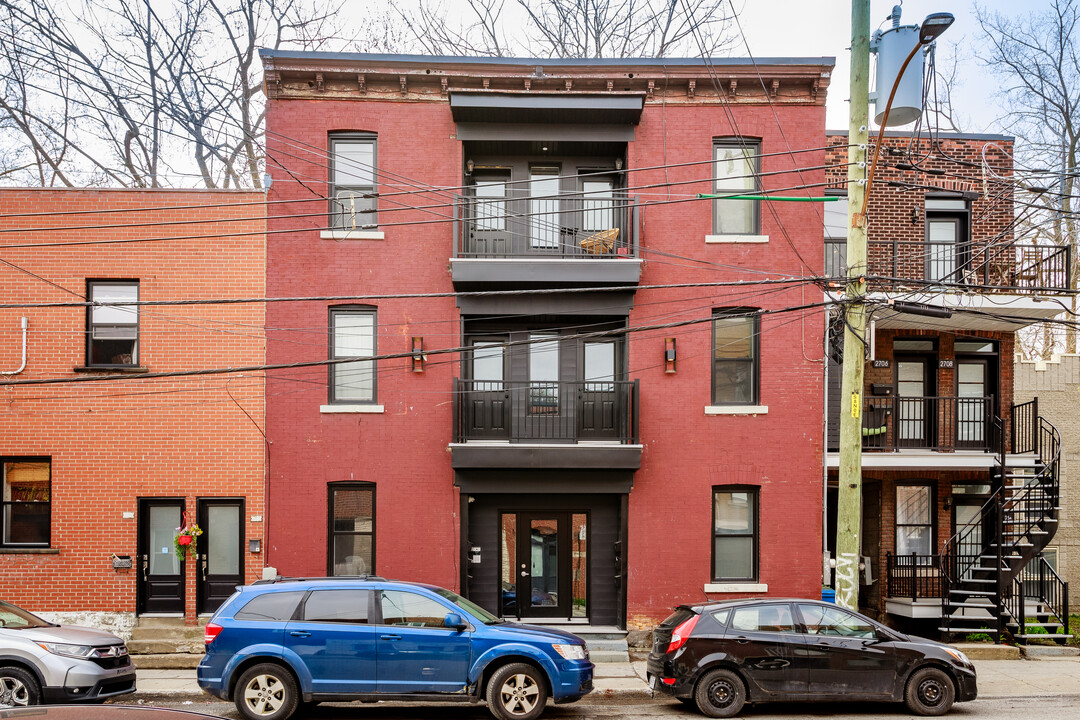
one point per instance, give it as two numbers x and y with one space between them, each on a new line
995 580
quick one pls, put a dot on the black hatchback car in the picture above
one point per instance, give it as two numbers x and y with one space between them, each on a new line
721 655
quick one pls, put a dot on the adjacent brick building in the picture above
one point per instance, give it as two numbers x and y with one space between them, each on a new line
99 468
587 440
949 286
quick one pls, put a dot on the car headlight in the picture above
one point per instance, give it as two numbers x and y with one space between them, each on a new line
570 652
958 655
75 651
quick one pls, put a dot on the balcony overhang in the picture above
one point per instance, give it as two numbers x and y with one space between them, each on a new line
971 311
932 460
618 109
483 273
542 456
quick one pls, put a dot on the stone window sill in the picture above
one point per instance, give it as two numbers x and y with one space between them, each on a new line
336 409
736 409
709 239
29 551
736 587
352 235
131 370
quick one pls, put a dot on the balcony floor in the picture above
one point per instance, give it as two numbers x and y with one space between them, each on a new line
919 459
583 455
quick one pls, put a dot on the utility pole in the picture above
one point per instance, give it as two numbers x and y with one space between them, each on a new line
849 510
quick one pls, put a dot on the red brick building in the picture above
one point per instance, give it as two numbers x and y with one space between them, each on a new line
99 468
570 416
949 287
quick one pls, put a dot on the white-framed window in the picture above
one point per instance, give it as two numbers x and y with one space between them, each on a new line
352 335
112 331
736 166
353 181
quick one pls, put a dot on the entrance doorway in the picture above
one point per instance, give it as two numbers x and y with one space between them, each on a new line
544 564
161 574
220 552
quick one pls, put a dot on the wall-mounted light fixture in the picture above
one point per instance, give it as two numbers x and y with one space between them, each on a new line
418 357
915 215
469 165
669 355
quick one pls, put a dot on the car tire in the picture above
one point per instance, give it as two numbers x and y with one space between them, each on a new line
517 692
18 688
266 692
929 691
720 694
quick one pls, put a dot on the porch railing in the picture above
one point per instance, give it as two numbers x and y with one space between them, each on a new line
1019 266
517 224
912 576
560 412
930 423
1038 592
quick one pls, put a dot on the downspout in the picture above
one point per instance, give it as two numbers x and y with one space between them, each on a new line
23 366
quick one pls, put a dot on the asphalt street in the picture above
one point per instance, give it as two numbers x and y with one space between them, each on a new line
631 706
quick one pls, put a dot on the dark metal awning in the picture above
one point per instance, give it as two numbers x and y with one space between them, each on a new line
590 109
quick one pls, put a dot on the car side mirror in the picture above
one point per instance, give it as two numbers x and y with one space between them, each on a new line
455 621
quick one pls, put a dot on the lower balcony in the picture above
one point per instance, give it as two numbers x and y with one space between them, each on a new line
502 424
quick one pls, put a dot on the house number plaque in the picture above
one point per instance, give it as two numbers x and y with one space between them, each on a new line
881 363
945 364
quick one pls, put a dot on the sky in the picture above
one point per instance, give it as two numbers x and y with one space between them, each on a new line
823 27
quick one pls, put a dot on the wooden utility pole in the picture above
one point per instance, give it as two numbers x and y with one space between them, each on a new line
849 510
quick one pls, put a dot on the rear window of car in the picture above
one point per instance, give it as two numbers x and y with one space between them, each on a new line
678 617
278 606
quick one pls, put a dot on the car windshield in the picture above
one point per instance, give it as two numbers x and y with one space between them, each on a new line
13 618
470 607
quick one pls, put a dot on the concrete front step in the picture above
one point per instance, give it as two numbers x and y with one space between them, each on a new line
166 661
606 643
167 646
159 633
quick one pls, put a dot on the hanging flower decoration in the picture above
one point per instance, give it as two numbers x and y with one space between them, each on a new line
186 535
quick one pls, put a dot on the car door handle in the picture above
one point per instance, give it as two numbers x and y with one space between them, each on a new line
742 641
389 637
300 633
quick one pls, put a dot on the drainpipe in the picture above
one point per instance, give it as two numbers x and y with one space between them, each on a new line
23 366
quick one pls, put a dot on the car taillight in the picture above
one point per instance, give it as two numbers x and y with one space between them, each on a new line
681 634
211 631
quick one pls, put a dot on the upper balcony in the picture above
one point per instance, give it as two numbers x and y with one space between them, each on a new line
512 236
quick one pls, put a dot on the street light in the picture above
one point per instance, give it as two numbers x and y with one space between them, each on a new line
932 27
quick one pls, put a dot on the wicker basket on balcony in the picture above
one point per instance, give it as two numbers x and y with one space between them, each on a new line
600 242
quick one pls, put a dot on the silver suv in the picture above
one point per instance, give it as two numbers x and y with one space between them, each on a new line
45 663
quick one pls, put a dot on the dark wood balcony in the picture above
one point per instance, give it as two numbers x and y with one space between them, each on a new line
924 423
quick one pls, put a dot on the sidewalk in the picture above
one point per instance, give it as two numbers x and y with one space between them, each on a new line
997 679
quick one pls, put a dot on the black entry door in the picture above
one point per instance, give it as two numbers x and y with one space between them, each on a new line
543 565
220 551
161 573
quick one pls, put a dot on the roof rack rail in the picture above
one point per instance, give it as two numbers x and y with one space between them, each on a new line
282 578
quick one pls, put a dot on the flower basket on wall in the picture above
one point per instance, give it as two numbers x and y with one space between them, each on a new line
185 540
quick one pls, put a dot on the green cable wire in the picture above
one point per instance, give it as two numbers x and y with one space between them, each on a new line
778 198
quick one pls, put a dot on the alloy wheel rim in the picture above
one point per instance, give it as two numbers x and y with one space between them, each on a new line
722 693
930 692
265 694
519 694
13 693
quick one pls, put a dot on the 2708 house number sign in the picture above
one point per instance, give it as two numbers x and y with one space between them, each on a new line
945 364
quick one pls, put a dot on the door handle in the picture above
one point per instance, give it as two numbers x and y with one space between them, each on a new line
524 573
300 633
389 637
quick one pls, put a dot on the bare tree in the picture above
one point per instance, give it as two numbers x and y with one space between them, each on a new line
1036 58
127 94
568 28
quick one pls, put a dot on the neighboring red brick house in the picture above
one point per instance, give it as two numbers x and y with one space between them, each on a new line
553 451
97 472
941 433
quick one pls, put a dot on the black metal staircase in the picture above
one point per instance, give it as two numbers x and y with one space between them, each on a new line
994 579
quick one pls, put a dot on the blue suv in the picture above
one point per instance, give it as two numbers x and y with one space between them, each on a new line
278 645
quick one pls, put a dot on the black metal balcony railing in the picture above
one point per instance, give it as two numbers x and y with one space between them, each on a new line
928 423
560 412
1022 267
579 224
919 577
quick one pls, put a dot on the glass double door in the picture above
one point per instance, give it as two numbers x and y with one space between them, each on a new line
544 571
218 556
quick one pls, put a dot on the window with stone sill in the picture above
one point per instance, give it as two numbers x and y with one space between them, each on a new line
26 505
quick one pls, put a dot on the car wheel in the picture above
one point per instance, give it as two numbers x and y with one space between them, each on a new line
516 692
266 692
720 694
18 688
930 691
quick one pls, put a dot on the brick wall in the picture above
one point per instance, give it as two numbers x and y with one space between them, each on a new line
1056 383
113 442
